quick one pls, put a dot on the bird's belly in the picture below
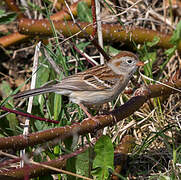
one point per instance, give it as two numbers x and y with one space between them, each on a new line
91 97
97 97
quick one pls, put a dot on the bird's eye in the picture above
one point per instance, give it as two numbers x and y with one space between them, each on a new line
130 61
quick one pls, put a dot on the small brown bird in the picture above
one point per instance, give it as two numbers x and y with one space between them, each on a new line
95 86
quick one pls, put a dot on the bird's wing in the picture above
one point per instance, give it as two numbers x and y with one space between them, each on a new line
97 78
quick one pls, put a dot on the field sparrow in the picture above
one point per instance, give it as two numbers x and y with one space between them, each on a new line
95 86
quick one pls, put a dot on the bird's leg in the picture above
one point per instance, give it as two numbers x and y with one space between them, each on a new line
86 111
89 115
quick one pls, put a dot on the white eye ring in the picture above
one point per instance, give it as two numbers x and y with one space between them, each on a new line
130 61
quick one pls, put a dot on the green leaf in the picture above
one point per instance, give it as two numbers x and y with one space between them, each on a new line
162 177
50 154
5 89
176 34
34 7
57 106
57 150
13 122
175 39
83 163
6 18
4 125
1 12
84 13
169 52
111 50
151 57
42 78
70 166
82 45
104 158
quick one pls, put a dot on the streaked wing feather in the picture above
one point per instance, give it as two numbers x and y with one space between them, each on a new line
74 85
97 78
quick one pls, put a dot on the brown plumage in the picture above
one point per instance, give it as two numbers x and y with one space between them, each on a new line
96 85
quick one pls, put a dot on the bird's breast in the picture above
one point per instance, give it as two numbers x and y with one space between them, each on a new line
119 87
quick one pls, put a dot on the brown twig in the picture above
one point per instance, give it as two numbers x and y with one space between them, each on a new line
93 6
14 7
111 32
13 38
80 52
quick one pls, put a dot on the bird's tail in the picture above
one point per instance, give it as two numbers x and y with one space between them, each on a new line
35 92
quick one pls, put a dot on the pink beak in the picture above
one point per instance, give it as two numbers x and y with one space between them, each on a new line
140 63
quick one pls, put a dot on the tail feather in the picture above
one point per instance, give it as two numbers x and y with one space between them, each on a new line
34 92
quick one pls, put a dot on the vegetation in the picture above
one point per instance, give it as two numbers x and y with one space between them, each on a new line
48 137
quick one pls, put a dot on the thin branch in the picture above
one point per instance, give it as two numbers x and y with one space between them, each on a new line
28 115
99 28
93 7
